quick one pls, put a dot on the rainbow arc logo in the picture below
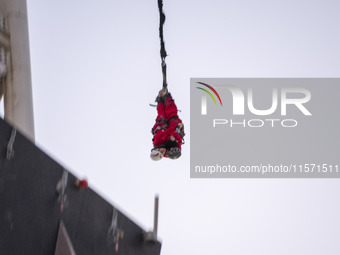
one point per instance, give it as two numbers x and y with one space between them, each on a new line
209 93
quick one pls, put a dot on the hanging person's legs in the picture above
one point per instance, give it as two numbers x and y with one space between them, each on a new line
170 111
166 103
157 130
160 105
167 113
160 119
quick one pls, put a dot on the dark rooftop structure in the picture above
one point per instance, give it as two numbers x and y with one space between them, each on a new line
43 211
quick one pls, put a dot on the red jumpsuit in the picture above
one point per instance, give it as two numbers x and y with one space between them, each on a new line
166 124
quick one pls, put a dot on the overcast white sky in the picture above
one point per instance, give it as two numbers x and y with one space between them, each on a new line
96 68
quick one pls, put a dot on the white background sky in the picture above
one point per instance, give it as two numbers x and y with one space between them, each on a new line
95 69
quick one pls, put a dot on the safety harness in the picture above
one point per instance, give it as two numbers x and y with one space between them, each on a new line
165 125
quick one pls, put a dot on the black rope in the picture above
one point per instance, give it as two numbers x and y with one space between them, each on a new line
162 51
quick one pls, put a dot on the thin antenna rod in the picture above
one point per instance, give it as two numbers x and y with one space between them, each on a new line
155 223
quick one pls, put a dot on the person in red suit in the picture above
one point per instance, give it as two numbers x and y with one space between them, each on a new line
168 131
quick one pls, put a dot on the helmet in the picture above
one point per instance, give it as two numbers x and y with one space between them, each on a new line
174 153
156 155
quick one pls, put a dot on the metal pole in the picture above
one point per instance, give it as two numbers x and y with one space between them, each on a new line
155 223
